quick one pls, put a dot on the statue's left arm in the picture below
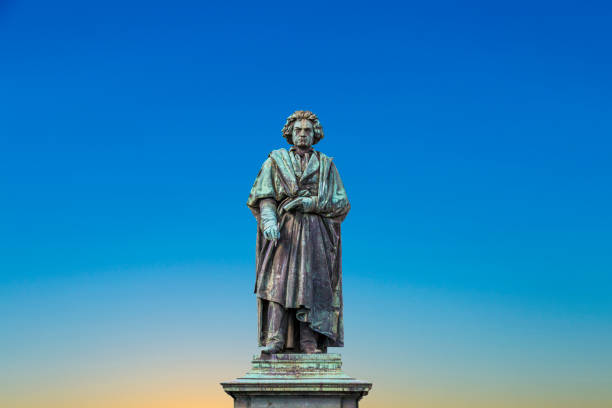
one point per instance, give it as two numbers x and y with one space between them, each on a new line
332 200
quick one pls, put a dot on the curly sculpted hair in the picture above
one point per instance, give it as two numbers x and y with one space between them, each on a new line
300 114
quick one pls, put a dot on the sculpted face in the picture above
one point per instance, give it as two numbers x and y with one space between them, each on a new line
303 133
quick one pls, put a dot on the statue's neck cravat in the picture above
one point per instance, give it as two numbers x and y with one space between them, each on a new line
300 159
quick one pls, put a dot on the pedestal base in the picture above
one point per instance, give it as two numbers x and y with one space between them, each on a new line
296 381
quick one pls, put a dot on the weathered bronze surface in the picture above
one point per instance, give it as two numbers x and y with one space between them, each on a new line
296 381
299 202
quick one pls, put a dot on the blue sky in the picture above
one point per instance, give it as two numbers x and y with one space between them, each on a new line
473 140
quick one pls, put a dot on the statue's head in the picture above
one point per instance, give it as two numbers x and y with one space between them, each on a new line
303 129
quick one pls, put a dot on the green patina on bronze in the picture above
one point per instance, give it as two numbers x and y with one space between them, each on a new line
299 202
296 381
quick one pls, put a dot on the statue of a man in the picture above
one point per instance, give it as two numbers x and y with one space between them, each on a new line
299 202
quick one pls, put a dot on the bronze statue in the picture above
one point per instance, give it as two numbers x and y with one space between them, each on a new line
299 202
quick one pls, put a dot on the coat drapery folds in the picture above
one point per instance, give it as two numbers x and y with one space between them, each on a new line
302 270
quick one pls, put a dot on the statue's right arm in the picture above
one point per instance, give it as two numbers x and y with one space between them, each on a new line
263 187
269 223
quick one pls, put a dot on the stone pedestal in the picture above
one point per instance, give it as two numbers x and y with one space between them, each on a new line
296 381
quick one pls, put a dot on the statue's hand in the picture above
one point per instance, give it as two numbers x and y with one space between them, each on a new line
304 204
271 233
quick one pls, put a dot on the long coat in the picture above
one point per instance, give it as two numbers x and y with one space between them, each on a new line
303 269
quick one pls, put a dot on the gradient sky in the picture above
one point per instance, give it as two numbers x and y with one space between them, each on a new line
474 140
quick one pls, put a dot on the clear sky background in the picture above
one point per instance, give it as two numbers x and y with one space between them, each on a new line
474 140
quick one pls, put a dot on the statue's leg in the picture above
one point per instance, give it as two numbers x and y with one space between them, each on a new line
308 339
277 327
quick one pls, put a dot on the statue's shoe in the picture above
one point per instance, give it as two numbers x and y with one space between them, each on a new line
272 348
